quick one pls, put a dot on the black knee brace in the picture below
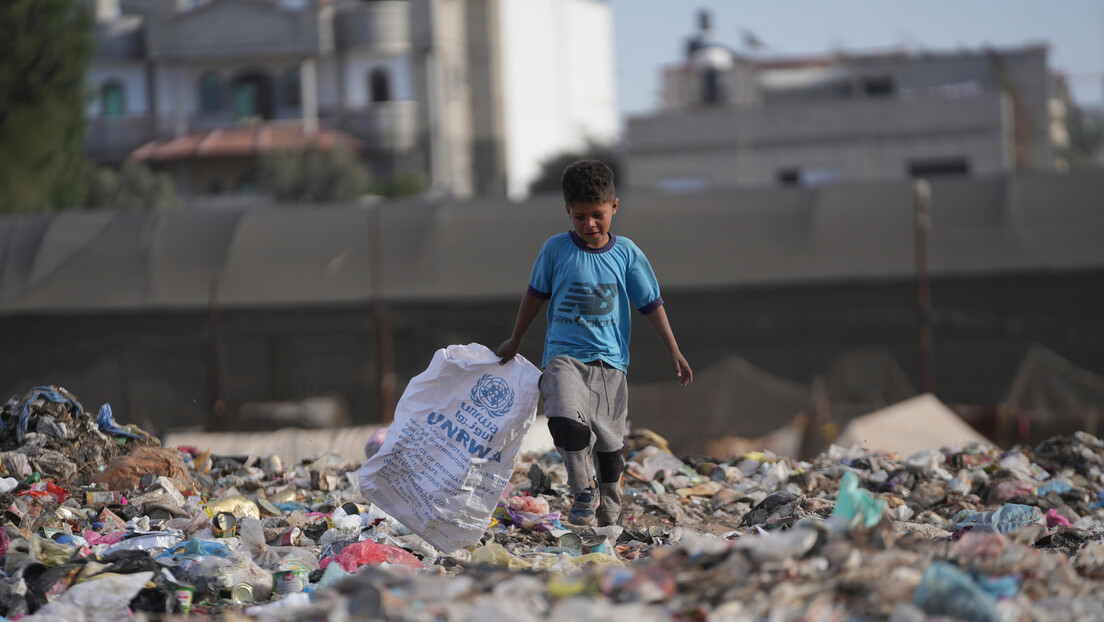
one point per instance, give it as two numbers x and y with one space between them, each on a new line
568 433
610 465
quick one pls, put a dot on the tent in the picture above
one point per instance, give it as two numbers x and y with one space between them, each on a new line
1055 395
922 422
731 397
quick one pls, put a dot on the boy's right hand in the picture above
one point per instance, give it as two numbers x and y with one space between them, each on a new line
507 351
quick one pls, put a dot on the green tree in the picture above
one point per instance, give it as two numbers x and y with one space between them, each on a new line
45 47
134 187
552 168
1086 136
313 176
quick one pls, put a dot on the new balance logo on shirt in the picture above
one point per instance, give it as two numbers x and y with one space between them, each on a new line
584 299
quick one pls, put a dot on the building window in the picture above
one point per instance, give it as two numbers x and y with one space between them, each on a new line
789 177
253 94
712 91
794 176
112 99
942 167
880 86
210 97
291 86
379 85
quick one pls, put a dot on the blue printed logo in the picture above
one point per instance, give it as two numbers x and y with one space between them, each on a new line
494 394
589 299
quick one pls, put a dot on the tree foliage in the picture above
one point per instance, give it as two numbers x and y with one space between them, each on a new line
134 187
1086 136
45 47
313 176
552 168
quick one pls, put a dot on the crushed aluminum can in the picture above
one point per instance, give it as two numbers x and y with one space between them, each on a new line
291 537
242 593
15 513
570 540
594 543
266 506
224 525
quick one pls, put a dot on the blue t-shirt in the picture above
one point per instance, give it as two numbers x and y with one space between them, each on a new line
589 293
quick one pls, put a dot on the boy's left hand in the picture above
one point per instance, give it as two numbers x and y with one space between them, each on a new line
682 369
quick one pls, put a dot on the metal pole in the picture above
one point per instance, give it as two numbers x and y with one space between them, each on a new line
923 285
218 407
385 349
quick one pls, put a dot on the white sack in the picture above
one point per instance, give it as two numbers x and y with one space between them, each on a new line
450 451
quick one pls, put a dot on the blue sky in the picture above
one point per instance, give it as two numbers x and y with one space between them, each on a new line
651 33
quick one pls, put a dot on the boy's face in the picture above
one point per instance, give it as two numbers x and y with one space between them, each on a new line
592 221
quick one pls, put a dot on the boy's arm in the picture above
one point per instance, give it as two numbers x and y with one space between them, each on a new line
658 320
530 306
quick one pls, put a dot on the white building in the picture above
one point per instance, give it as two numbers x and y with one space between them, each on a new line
471 95
730 119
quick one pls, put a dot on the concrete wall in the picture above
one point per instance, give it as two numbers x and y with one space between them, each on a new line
558 81
849 140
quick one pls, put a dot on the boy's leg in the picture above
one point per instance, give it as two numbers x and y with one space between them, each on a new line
566 400
609 430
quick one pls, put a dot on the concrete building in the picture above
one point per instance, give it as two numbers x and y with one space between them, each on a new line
447 90
728 118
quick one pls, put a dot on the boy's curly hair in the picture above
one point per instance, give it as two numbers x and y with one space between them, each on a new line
587 181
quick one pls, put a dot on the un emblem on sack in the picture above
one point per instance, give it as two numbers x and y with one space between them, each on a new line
493 394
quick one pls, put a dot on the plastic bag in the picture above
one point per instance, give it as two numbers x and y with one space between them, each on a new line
270 557
856 506
450 451
945 590
103 599
1005 519
368 552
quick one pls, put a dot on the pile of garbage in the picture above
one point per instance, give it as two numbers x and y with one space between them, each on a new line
101 523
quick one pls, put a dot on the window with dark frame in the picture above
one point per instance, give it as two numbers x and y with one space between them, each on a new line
939 167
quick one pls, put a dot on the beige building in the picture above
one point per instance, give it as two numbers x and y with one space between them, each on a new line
419 87
729 118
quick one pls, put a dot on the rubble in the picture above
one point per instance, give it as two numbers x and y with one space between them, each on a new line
101 519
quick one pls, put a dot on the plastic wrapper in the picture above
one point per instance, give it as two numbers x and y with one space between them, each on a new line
51 553
946 590
214 574
647 463
270 557
237 505
855 506
528 520
368 552
1005 519
15 464
104 599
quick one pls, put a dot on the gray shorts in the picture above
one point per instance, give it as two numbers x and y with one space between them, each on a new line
594 394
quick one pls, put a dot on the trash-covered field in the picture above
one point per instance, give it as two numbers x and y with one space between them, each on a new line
100 523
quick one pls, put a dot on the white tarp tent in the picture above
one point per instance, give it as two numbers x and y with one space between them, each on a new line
922 422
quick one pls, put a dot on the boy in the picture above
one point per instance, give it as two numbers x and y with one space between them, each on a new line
590 278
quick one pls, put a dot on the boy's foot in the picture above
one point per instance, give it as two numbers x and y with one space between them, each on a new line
582 509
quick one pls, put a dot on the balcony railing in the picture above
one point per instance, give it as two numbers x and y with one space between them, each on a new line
111 139
383 25
384 126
